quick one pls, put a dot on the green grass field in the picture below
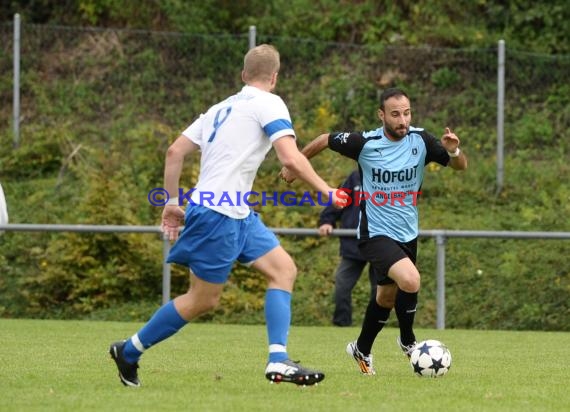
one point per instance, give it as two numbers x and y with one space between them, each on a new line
64 366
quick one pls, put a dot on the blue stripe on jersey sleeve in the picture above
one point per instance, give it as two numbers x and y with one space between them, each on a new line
276 126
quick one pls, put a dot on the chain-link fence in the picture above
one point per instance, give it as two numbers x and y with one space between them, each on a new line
86 76
91 77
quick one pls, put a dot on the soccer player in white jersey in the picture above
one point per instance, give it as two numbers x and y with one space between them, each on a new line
234 137
391 161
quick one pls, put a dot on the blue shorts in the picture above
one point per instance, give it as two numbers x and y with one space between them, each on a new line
210 243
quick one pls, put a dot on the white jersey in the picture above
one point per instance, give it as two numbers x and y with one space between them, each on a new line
234 137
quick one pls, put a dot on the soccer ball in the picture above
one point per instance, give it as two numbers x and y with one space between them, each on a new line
430 358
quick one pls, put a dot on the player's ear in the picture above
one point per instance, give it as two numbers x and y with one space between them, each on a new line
272 82
381 115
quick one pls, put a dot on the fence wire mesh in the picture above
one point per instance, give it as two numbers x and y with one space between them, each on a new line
89 77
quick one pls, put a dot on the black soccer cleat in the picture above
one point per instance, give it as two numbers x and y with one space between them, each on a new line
127 371
292 372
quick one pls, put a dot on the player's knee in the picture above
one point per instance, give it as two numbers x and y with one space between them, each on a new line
289 272
386 296
386 302
282 276
411 283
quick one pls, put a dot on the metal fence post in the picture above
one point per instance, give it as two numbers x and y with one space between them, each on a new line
165 270
252 35
500 115
440 269
16 113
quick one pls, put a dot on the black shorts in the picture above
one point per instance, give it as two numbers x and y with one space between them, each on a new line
382 252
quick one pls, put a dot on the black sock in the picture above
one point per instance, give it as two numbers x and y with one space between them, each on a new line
374 320
406 311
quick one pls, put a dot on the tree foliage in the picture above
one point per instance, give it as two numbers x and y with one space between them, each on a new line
528 25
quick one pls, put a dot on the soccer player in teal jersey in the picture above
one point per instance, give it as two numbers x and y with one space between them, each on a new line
391 161
233 137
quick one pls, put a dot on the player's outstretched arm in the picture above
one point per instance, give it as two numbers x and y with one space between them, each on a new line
312 149
315 147
294 161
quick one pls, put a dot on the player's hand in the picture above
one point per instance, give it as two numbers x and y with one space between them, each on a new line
325 229
338 202
172 218
287 175
449 140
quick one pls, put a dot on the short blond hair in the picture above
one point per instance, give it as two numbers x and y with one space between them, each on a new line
260 63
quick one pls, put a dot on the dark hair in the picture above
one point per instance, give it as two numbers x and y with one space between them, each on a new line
391 92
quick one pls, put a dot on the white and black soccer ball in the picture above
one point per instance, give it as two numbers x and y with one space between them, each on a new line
430 358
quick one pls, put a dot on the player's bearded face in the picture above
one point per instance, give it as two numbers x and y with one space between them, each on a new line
397 131
396 117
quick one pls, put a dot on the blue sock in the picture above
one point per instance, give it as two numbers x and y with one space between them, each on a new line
165 322
278 320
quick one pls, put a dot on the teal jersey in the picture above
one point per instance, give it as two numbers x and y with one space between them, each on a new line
392 173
